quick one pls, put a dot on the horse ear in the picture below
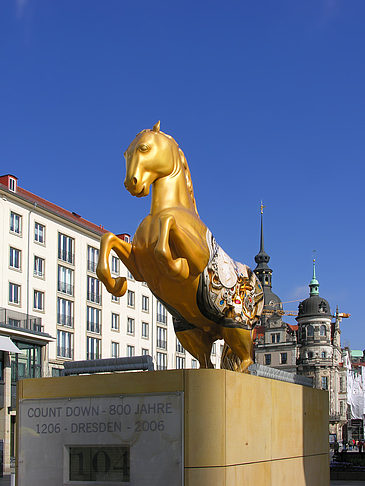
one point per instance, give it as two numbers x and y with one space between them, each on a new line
156 127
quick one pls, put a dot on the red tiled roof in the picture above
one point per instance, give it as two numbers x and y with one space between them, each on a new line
294 327
44 204
258 331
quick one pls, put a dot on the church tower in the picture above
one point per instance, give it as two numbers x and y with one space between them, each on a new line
275 340
272 303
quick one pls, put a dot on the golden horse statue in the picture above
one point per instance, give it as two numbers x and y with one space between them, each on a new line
209 295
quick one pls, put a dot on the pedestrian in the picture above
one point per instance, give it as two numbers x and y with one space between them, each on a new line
360 445
336 447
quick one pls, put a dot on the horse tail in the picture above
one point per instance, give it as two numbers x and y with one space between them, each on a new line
229 360
189 182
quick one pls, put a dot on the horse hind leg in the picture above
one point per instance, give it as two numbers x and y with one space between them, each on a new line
199 344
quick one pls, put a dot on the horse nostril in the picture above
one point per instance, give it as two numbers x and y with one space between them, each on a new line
134 180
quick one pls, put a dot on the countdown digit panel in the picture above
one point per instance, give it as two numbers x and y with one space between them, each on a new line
134 440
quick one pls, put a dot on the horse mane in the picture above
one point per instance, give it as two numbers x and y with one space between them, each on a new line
184 165
186 169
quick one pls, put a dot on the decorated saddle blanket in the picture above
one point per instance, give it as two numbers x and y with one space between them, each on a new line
229 292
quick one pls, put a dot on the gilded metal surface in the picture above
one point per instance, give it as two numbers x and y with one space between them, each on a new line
175 254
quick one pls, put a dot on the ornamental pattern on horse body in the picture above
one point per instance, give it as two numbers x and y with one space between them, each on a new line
231 289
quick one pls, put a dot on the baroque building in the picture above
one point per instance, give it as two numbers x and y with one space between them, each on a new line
312 348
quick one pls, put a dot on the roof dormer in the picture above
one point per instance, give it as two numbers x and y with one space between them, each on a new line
10 181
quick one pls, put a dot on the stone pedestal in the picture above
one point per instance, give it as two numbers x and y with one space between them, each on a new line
235 429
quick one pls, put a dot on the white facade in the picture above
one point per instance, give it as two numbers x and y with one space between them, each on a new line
50 297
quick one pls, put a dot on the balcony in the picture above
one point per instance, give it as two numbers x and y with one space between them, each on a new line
66 256
17 320
65 320
162 318
66 288
91 266
162 343
64 352
94 297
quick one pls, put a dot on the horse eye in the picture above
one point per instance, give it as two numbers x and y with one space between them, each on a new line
143 148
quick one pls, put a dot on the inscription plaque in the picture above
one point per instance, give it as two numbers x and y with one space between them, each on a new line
134 440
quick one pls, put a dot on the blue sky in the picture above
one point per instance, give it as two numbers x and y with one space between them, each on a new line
266 99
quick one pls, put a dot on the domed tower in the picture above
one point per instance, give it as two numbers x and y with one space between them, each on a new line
314 336
320 353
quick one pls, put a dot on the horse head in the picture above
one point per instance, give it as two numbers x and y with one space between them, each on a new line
150 156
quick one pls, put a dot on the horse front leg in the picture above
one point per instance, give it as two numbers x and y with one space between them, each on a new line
174 267
116 286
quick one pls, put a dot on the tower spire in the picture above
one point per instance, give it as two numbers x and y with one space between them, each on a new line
314 284
262 228
262 270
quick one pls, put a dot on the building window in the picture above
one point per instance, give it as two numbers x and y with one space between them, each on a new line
14 293
145 303
145 330
15 223
115 265
324 383
92 258
310 354
342 388
65 248
115 321
323 331
65 280
161 361
12 184
179 348
93 290
115 350
275 338
28 363
130 325
93 349
38 300
214 349
39 233
145 352
161 337
283 358
65 312
93 319
161 313
14 258
194 364
180 362
130 298
130 351
310 331
323 354
268 359
342 408
129 275
64 344
115 299
38 267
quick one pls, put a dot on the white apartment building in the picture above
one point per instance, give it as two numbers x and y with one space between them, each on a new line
53 307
